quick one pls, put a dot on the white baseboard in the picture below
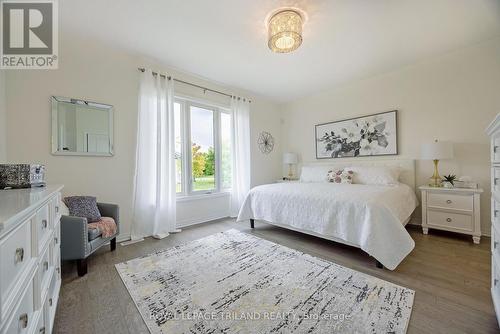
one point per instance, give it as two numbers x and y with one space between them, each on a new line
191 222
122 238
180 224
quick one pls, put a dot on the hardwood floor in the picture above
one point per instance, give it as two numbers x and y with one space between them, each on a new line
450 275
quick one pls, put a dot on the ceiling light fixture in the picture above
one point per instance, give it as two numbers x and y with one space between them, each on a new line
285 31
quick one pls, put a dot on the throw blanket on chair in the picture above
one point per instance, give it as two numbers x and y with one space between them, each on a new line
106 226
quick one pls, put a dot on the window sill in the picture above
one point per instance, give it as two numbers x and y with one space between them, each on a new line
198 197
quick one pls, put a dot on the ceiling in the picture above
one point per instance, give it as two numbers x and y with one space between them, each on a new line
225 40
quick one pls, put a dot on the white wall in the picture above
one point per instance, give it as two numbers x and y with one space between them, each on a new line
452 97
96 72
3 134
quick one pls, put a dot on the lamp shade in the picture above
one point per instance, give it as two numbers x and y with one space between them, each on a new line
437 150
290 158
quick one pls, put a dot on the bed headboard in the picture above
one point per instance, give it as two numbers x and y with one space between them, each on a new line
407 166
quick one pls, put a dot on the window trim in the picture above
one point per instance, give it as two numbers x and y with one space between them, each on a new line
186 155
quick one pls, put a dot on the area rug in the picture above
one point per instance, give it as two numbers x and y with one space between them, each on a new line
232 282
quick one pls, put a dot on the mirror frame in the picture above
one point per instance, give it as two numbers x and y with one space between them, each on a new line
54 137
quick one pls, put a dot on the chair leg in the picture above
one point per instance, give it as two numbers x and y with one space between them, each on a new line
81 267
113 244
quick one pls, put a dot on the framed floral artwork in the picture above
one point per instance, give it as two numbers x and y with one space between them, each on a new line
357 137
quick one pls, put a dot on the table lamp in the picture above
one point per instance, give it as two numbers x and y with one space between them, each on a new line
435 151
290 159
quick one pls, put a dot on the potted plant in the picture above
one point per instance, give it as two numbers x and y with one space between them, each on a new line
448 181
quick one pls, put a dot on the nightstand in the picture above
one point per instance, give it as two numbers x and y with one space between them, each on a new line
287 181
452 209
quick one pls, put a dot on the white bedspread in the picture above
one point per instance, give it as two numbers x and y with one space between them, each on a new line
367 216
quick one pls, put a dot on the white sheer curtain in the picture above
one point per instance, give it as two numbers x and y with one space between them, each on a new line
154 207
241 153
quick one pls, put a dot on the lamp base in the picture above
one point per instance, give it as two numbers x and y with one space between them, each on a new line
435 183
435 180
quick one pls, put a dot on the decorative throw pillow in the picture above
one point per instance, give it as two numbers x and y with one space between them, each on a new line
83 206
376 175
340 176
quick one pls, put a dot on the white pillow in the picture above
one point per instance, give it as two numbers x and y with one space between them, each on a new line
314 173
380 175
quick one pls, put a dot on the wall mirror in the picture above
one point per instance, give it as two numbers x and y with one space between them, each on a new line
81 127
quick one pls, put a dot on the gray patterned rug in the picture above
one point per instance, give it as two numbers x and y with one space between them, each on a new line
233 282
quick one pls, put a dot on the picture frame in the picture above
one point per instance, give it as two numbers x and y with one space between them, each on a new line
370 135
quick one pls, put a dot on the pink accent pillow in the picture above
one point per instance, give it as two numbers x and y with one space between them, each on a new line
340 176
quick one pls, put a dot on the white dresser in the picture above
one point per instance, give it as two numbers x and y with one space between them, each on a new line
493 131
30 265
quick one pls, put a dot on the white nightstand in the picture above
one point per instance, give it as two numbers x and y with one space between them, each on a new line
452 209
287 181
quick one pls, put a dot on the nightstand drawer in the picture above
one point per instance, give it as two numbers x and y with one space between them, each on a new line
450 201
449 220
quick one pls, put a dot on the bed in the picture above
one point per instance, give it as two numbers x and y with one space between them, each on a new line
370 217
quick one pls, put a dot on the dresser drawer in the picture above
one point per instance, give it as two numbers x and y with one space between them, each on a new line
495 285
457 221
56 254
43 226
45 266
53 295
495 149
22 320
15 257
57 265
495 243
41 326
450 201
495 179
495 213
55 207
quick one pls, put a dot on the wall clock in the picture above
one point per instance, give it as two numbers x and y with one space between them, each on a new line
266 142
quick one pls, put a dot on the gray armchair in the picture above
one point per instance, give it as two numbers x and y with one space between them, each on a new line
78 242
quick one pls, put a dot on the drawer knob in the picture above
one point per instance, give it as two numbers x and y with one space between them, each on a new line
50 301
495 213
44 223
19 255
448 220
449 201
495 149
42 330
56 240
58 270
495 282
495 244
23 319
495 181
46 266
57 209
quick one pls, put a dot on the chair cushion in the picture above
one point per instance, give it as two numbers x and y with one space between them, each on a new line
83 206
94 233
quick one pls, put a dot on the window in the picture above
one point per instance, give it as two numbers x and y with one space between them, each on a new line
204 132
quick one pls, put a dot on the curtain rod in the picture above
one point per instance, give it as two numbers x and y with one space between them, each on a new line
142 69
